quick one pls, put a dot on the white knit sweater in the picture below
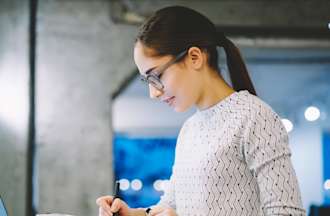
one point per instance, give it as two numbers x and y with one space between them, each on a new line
233 159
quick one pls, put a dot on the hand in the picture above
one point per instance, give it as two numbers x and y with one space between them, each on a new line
162 211
108 205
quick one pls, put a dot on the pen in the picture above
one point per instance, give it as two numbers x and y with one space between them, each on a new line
117 185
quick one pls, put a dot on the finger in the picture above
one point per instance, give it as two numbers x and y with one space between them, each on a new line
156 210
103 212
107 199
116 205
105 203
106 208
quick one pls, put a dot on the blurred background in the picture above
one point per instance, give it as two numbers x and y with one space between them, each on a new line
74 117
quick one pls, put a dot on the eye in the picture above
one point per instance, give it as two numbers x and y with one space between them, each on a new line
160 75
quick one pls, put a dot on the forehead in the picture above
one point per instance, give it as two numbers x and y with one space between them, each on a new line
144 58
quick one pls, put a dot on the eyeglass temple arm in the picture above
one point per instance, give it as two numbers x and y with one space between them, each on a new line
177 58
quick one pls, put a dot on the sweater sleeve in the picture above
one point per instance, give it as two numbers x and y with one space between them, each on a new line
168 198
267 154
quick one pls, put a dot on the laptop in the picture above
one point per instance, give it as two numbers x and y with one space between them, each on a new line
3 211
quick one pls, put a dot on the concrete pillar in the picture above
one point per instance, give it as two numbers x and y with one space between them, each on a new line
82 58
13 103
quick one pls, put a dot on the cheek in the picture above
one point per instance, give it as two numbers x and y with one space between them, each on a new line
182 88
174 83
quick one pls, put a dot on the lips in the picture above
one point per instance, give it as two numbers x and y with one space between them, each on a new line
169 100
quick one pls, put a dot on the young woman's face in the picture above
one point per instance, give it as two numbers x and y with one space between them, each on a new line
181 86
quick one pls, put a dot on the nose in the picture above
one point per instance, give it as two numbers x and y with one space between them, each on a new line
154 92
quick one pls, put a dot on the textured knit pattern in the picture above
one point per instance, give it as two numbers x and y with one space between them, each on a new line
233 159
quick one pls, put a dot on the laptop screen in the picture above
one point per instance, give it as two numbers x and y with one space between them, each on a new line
3 211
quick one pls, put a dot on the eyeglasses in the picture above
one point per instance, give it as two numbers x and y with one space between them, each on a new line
153 75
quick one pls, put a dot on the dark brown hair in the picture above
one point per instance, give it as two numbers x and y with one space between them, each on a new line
171 30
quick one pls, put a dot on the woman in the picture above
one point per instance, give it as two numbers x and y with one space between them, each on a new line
232 156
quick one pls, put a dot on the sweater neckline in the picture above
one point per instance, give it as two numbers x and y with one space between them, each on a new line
220 106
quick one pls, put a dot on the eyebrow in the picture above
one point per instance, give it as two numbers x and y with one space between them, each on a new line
178 57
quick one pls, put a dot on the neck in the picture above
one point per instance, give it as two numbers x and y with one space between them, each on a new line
214 90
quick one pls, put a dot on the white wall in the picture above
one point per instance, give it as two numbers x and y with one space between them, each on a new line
143 116
305 143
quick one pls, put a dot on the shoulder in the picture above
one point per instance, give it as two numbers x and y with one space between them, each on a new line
261 120
257 109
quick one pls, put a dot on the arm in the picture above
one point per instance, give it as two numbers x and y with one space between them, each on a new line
267 154
168 198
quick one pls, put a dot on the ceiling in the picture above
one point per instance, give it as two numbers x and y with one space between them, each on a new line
240 18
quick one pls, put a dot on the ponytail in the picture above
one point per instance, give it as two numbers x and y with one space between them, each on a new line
237 70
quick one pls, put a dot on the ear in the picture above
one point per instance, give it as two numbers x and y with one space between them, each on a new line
196 58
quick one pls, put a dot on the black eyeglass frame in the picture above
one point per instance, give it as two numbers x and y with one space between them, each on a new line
154 79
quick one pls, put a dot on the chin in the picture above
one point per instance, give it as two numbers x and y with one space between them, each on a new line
180 109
